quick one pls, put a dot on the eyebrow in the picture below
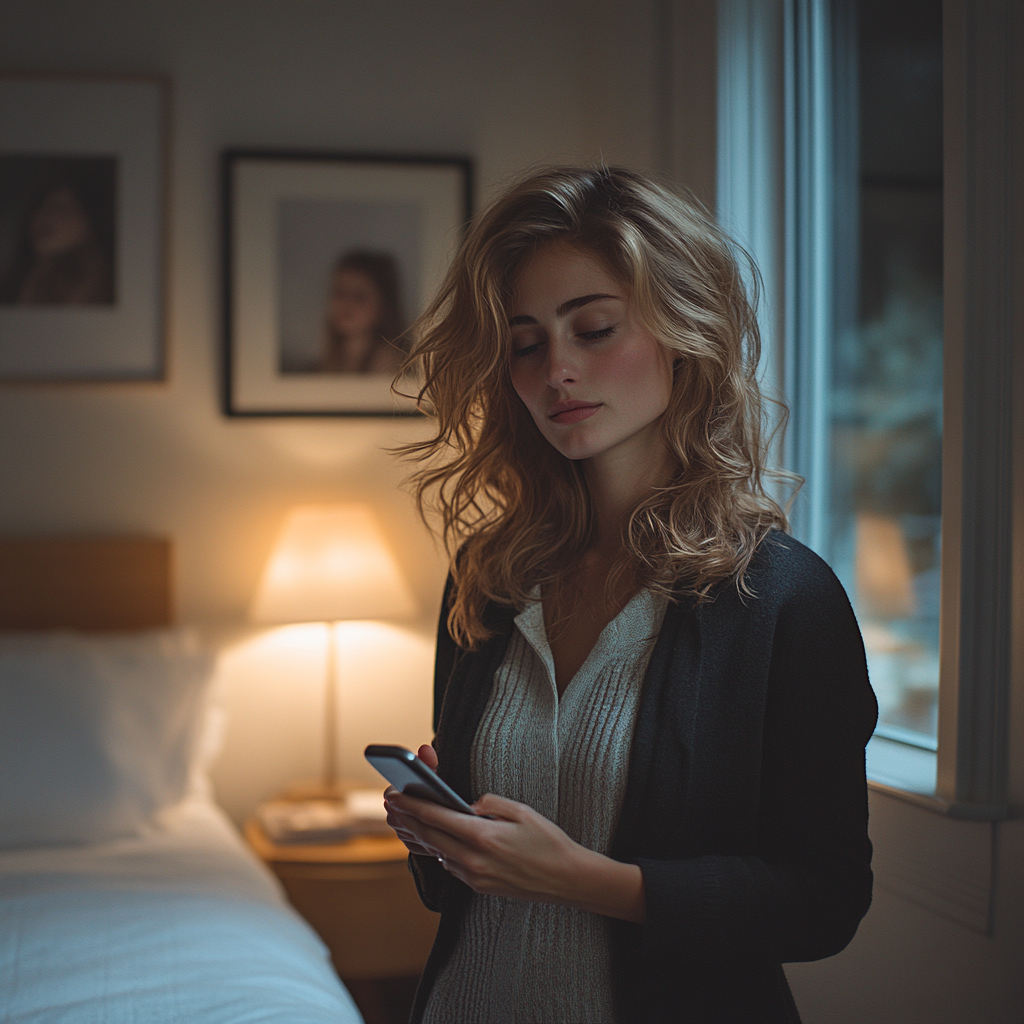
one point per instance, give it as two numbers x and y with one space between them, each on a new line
566 307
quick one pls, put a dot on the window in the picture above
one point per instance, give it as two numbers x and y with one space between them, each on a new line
883 529
886 250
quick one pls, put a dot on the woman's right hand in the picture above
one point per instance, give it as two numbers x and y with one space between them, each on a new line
428 756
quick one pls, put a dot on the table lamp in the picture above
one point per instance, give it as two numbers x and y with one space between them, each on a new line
330 563
884 579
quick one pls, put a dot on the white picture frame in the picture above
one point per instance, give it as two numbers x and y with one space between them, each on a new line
105 138
291 220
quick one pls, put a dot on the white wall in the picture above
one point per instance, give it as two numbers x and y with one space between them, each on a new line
508 84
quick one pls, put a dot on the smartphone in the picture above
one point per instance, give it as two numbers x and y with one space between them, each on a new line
408 774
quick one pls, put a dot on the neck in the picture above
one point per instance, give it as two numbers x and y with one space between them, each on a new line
351 349
360 340
618 481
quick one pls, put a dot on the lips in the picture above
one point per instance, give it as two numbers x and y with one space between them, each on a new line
572 412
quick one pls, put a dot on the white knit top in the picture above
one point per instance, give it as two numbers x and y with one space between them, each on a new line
525 963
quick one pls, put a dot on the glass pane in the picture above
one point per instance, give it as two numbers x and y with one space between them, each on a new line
886 407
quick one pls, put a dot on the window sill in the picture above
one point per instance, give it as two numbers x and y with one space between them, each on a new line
908 773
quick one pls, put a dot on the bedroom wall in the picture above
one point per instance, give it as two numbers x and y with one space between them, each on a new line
510 86
632 80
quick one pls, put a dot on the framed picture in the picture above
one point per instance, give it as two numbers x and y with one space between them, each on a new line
329 258
82 227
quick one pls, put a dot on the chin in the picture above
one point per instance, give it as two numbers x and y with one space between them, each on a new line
576 449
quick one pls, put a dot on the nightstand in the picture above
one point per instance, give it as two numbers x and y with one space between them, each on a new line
362 901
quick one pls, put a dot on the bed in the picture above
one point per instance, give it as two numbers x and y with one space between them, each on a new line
125 893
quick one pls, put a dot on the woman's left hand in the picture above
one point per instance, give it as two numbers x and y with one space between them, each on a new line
518 853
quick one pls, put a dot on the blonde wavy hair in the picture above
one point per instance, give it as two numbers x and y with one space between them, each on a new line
514 513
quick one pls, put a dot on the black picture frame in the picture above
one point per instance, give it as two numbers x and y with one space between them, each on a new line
299 228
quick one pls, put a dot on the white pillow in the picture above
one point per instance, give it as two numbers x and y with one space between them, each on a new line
98 733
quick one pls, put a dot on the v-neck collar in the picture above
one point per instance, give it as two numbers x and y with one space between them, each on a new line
642 609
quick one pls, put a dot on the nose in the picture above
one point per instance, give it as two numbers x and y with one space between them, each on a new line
561 367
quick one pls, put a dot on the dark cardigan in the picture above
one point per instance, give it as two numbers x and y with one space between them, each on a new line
746 802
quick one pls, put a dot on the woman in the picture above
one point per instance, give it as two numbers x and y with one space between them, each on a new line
364 315
657 700
64 251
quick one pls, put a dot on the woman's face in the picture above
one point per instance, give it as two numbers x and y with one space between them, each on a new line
594 379
59 224
355 303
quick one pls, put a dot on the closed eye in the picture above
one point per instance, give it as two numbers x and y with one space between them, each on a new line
605 332
526 350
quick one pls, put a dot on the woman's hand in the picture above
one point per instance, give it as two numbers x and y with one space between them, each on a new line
518 853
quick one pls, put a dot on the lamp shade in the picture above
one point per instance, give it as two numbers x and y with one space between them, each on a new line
331 562
885 583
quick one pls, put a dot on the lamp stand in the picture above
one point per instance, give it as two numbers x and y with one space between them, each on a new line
330 776
327 786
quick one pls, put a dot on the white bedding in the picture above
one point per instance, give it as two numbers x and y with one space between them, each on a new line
183 924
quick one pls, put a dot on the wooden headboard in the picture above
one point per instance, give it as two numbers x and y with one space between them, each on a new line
88 583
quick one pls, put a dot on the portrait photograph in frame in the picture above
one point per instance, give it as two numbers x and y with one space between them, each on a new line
329 258
82 227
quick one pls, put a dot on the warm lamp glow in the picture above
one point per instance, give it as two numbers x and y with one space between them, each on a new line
885 584
331 562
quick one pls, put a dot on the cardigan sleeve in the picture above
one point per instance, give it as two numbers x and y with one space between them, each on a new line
430 879
802 890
